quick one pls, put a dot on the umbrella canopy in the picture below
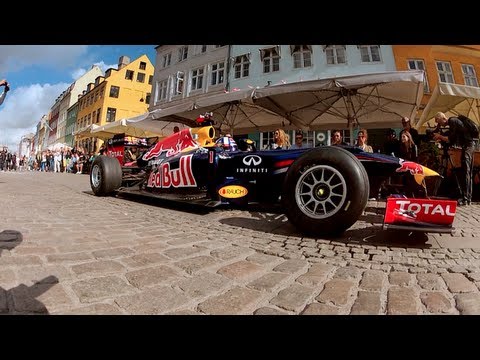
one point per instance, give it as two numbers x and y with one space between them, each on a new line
122 127
451 99
85 133
370 100
58 147
233 112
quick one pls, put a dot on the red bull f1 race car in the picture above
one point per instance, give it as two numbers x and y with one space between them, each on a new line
322 190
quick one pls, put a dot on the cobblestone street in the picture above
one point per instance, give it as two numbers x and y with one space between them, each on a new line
65 251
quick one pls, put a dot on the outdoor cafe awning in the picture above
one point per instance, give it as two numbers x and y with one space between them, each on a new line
451 99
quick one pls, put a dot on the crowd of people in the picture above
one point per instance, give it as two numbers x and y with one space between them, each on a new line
75 161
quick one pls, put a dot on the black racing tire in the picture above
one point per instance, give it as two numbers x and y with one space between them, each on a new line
325 191
105 175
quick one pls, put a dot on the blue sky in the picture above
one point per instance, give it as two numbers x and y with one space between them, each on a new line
37 74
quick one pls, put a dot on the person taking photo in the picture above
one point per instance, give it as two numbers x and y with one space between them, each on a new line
6 88
462 132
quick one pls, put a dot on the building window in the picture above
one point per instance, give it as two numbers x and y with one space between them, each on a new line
271 59
200 49
182 53
218 73
150 79
162 90
147 98
445 73
416 64
111 112
336 54
197 79
98 117
140 77
114 91
167 59
302 56
143 65
178 82
241 66
266 139
129 75
370 53
469 75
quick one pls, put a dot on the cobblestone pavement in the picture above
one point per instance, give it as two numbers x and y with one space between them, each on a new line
65 251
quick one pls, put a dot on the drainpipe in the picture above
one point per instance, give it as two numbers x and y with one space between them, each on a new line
227 84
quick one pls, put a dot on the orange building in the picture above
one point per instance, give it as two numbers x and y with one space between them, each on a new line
457 64
122 93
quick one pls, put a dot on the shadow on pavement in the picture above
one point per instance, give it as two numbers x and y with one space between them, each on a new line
165 203
22 298
370 235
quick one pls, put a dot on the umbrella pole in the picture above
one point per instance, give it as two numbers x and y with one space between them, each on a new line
351 133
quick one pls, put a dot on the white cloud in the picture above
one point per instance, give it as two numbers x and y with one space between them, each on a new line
77 73
104 67
23 108
17 57
80 71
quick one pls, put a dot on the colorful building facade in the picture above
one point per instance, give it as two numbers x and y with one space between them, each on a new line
456 64
122 93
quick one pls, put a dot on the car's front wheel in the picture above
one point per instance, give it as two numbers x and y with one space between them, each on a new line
105 175
325 191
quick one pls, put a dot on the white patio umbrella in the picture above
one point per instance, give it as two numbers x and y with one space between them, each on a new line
451 99
85 132
123 127
368 100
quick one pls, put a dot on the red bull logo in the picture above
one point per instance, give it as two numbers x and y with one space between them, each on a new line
413 167
181 177
172 145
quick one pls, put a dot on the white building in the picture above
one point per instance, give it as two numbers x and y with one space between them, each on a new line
194 70
70 97
187 70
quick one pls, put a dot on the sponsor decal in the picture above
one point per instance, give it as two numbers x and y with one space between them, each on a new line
172 145
321 137
421 212
165 177
112 153
415 208
233 191
413 167
252 160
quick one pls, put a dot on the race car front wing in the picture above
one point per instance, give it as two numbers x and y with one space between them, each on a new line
431 215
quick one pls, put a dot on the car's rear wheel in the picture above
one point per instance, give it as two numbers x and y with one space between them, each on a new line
105 176
325 191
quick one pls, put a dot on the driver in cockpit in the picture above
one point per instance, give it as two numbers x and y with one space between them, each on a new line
227 143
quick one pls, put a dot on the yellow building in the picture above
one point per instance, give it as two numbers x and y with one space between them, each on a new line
457 64
122 93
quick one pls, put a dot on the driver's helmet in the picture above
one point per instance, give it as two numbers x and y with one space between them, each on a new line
227 143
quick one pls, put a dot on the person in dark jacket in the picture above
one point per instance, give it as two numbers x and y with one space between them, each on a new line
461 136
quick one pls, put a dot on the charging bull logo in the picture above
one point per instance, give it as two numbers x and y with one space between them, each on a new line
172 145
413 167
